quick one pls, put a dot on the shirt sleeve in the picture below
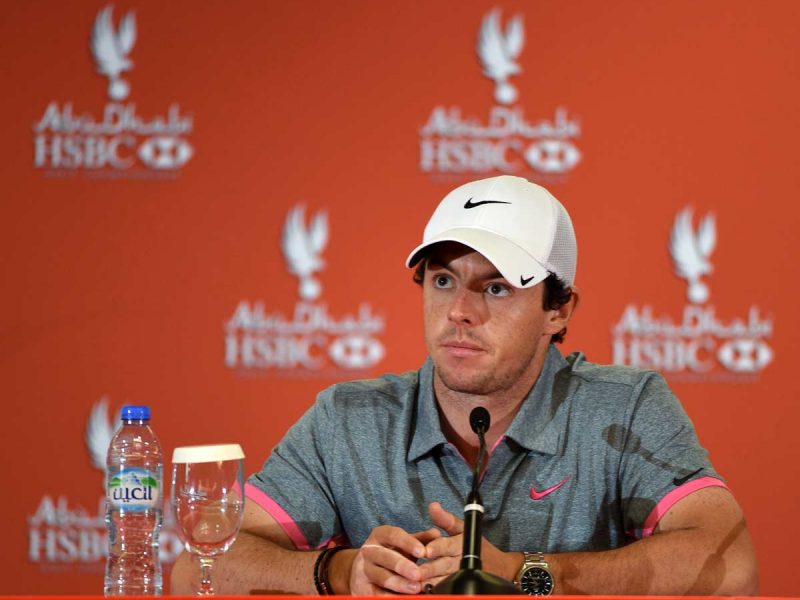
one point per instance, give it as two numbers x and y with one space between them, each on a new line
662 460
293 486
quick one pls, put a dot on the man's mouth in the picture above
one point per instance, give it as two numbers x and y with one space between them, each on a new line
462 349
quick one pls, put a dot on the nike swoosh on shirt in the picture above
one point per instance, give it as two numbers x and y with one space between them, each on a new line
678 481
539 495
471 204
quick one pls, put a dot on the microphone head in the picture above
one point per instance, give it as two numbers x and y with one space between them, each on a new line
479 419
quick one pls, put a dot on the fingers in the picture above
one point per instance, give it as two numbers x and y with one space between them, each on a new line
387 562
388 536
435 570
448 547
445 546
445 520
425 537
388 570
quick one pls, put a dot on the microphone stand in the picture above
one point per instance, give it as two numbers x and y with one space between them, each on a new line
470 580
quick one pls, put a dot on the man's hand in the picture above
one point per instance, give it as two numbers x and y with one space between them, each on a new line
386 563
444 554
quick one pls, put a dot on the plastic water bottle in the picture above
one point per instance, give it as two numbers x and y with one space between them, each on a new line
134 478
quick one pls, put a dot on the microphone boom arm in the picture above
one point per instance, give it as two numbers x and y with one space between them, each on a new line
470 579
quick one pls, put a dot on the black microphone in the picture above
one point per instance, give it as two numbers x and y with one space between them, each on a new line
479 420
470 579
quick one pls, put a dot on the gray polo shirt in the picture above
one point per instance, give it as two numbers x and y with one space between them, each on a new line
593 459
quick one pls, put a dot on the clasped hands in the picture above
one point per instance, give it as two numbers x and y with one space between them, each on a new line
387 561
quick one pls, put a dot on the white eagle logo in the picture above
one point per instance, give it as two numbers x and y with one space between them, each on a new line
302 248
111 48
99 431
691 252
497 53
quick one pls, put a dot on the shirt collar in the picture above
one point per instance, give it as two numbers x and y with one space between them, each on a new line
534 427
426 429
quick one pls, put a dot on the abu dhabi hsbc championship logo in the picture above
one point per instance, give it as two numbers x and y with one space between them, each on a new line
506 141
310 340
698 345
64 536
117 141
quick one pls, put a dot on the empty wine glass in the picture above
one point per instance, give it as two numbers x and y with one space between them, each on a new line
208 502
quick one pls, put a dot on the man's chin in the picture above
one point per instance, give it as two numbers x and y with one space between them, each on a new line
473 383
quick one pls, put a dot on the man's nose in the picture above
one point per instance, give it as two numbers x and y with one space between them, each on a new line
467 308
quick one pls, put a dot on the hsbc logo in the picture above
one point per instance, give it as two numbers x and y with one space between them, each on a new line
552 156
118 141
356 351
311 340
165 152
745 356
507 141
699 345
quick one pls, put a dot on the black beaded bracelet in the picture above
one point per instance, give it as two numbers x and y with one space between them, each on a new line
317 583
321 581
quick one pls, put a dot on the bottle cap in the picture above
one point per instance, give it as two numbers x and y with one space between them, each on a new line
135 413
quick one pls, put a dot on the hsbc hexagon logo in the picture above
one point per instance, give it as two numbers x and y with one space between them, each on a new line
165 152
356 351
552 156
745 356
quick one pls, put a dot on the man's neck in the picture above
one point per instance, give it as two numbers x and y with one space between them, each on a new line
503 405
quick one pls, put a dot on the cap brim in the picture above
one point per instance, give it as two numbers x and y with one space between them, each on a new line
516 266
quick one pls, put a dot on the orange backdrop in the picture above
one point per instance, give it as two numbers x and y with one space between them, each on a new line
148 180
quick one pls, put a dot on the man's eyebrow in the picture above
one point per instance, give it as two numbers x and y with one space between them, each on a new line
437 264
434 263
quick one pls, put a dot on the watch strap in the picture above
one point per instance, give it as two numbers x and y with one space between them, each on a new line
531 559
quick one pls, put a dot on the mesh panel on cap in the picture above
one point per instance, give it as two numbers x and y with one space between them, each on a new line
563 253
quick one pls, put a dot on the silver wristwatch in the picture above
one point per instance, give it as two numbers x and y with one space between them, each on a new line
535 578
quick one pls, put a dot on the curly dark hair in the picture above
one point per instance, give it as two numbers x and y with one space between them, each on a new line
556 294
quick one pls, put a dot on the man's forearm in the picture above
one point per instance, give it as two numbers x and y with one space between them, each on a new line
671 563
252 565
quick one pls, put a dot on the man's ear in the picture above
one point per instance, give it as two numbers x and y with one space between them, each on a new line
557 319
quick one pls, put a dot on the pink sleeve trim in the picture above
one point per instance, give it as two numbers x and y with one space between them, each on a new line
281 516
673 497
286 522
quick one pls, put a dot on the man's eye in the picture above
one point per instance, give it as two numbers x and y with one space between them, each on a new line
441 281
497 289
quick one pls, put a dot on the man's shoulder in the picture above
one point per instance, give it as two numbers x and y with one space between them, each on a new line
622 375
399 387
601 387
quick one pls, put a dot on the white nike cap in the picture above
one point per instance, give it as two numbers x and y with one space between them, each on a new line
517 225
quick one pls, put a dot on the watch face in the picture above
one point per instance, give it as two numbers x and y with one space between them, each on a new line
536 582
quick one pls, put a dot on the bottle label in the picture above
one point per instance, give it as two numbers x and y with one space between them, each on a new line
133 489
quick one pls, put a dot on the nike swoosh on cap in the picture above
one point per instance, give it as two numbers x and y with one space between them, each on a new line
524 281
470 204
539 495
678 481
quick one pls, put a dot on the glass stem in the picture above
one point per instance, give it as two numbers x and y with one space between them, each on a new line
205 576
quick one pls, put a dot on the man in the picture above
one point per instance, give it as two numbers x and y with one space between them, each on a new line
595 482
